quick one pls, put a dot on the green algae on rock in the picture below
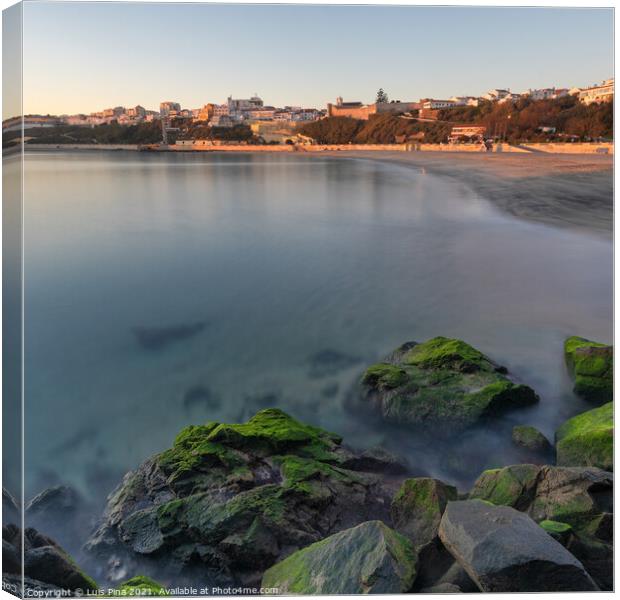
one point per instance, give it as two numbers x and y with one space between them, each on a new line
509 486
230 500
442 382
530 438
587 439
140 585
370 558
417 508
591 365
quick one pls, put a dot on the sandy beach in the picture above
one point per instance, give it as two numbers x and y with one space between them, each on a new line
565 190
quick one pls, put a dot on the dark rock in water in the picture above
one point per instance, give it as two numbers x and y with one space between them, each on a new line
330 390
10 510
579 497
418 506
156 338
367 559
200 396
433 562
329 362
45 562
587 440
503 550
442 383
592 366
377 460
230 500
51 565
530 438
58 512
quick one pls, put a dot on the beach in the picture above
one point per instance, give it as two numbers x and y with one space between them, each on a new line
568 190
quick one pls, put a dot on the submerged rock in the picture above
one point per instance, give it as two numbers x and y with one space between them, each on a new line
418 506
579 497
587 440
367 559
444 383
503 550
157 338
230 500
592 366
530 438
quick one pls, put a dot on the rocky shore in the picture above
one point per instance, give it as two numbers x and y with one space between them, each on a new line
278 504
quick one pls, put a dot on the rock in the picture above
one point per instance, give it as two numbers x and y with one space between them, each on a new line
511 486
44 560
369 558
140 585
10 510
329 362
503 550
591 365
580 497
442 383
434 561
560 532
417 508
51 565
157 338
377 460
442 588
59 512
587 439
529 437
230 500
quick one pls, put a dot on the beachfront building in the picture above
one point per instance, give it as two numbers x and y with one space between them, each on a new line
467 133
432 104
598 93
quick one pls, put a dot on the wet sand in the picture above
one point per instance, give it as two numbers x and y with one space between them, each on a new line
573 191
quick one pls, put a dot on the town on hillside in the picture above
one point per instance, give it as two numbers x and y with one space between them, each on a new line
548 114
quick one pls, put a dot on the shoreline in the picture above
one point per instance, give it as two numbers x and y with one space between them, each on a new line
572 191
564 190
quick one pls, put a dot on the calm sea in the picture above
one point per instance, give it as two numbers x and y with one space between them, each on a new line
275 280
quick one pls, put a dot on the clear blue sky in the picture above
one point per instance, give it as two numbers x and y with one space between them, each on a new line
81 57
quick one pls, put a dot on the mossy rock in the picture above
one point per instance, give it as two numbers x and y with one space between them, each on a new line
443 383
368 558
530 438
510 486
417 508
592 366
587 439
233 499
140 585
559 531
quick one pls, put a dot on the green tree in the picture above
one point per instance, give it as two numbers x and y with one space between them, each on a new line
382 96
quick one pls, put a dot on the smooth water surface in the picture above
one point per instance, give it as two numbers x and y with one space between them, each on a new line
283 261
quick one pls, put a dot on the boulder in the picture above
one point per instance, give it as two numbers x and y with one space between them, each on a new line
369 558
504 550
417 508
578 497
230 500
441 383
526 436
591 365
587 439
45 562
140 585
442 588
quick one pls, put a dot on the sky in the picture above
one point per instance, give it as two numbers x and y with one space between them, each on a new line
83 57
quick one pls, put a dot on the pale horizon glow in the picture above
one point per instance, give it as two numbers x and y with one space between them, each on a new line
84 57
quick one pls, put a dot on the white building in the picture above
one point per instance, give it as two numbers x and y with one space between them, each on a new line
432 104
598 93
496 94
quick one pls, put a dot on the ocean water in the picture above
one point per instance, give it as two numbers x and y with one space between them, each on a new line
282 277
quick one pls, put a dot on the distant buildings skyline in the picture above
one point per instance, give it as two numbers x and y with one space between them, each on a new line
81 56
